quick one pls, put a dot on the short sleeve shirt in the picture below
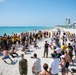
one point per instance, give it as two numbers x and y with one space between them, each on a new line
37 65
54 65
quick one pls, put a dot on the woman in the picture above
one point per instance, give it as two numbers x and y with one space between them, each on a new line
63 68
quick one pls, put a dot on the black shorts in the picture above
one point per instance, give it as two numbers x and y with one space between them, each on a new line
18 42
58 55
14 42
67 65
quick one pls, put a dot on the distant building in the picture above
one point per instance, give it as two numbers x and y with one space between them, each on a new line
74 23
68 22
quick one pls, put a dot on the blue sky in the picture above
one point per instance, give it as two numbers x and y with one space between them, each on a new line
36 12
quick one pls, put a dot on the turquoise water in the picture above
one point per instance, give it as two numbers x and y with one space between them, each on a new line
19 29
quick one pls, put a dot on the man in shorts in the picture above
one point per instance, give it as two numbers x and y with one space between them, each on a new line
36 66
23 65
6 56
46 47
54 65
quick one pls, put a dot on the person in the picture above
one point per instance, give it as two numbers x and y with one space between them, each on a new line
63 47
23 66
18 39
36 46
6 55
51 43
24 49
26 45
54 65
45 72
73 71
46 49
75 49
63 63
70 51
36 67
58 51
67 59
13 53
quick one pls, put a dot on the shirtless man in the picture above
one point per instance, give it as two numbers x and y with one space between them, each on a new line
13 53
45 72
6 55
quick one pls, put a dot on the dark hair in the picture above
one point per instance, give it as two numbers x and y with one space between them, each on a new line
35 55
45 41
22 55
53 55
63 43
13 47
45 66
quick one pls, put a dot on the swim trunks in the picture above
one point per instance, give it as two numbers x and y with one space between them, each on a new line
5 57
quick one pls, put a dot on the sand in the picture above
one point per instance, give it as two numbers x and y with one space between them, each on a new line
12 69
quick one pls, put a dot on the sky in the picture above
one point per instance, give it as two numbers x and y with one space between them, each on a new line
36 12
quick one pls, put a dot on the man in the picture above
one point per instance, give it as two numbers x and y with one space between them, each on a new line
23 65
51 43
63 47
45 72
36 67
58 51
70 52
54 65
6 55
13 53
46 49
75 49
67 59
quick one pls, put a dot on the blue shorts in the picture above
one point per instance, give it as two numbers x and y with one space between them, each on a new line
75 53
5 57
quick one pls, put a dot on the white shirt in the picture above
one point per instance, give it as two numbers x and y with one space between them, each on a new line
50 42
58 50
54 65
37 65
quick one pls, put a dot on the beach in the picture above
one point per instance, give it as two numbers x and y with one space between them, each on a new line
12 69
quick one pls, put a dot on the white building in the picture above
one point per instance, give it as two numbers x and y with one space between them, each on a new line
68 22
74 23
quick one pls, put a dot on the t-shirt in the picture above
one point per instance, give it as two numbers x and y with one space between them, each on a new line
46 46
37 65
58 50
23 66
50 42
23 63
70 48
54 65
63 47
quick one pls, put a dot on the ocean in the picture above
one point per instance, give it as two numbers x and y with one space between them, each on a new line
18 29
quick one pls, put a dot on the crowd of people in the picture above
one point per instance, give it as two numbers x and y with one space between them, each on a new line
62 51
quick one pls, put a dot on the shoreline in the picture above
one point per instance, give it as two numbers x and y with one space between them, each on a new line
7 69
27 29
